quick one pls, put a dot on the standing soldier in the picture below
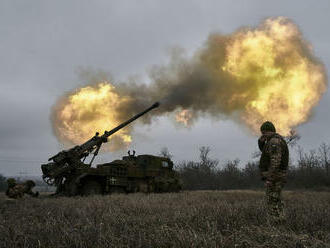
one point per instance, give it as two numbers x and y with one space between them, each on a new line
17 190
273 167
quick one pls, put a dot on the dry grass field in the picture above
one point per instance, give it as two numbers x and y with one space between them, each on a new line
186 219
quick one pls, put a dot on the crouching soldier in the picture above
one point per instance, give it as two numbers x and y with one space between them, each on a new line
273 167
17 190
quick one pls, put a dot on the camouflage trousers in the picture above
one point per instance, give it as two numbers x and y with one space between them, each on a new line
274 200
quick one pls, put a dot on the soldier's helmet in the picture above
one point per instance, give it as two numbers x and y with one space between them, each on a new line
11 182
30 183
267 126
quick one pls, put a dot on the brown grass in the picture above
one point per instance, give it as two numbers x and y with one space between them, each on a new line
187 219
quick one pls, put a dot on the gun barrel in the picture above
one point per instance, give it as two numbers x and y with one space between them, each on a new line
96 141
108 133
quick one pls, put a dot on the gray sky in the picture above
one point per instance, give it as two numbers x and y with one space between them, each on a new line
43 44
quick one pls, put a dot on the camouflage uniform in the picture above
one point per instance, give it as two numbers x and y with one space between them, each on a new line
17 190
273 167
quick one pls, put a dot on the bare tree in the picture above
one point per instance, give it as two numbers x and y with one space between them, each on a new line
307 160
324 153
292 138
200 175
232 165
207 162
165 153
204 152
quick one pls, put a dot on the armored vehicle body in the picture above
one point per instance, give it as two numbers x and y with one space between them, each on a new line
143 173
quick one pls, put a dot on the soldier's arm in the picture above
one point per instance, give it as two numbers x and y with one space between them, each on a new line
275 153
262 167
261 142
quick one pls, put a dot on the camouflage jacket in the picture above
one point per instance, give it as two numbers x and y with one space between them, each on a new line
16 192
19 190
274 158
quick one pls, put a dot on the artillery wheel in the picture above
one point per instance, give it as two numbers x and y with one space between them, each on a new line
91 187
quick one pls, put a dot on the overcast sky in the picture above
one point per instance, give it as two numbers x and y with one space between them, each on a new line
44 44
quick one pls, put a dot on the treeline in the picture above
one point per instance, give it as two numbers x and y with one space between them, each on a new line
311 170
3 183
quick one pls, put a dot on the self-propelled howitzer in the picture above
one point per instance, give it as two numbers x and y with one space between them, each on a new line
66 162
94 144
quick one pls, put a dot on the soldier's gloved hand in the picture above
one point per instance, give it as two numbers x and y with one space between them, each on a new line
262 138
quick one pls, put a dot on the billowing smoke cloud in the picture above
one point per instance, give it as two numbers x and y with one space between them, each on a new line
252 75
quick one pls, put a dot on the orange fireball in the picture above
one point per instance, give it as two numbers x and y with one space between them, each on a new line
286 83
88 110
